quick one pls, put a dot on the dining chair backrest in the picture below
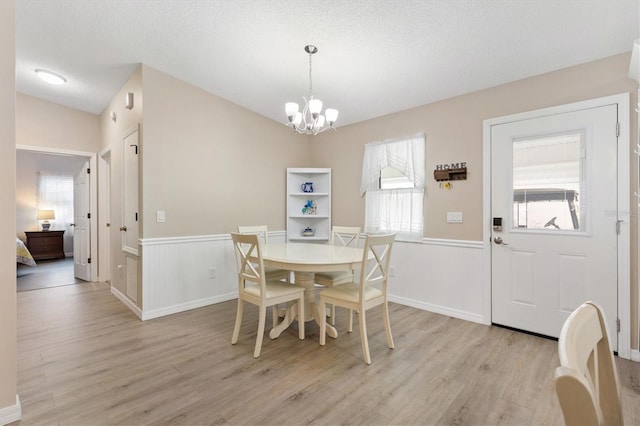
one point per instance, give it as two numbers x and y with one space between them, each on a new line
587 380
345 235
260 230
249 262
375 262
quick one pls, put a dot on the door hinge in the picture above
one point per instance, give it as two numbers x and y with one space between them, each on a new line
618 324
617 129
618 223
88 215
88 171
89 260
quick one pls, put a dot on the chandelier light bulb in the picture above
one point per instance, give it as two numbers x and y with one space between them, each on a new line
332 115
291 109
310 121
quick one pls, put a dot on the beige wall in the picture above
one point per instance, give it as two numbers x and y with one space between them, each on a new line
211 164
45 124
454 133
8 325
453 129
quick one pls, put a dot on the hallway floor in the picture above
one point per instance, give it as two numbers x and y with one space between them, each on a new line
46 274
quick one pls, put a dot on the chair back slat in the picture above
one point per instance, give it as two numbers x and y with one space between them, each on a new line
249 262
259 230
345 235
375 262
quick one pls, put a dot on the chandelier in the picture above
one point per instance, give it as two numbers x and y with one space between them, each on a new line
310 121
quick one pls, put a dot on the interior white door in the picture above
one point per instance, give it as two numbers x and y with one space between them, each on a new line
104 216
554 208
130 204
82 228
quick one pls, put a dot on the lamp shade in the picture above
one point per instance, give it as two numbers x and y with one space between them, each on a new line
634 65
46 214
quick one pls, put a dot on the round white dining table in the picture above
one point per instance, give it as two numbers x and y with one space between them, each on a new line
305 259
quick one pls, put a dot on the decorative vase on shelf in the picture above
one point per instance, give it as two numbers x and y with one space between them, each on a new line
307 187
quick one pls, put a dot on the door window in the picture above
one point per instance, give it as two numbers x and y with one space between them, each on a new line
548 183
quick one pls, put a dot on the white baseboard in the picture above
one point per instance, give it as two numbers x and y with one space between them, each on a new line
174 309
443 310
128 303
635 355
12 413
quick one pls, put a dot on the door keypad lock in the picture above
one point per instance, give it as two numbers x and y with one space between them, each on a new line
497 224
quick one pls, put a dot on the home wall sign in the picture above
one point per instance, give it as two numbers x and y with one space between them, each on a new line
450 171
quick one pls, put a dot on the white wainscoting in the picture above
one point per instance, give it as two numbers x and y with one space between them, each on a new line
12 413
442 276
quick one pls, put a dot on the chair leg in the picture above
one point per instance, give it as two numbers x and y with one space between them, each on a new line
236 328
333 314
301 317
261 323
387 325
274 314
350 323
363 337
323 323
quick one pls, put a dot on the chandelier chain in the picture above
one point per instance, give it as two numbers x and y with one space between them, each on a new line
310 80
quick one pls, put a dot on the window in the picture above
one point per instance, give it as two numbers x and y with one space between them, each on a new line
548 183
393 186
55 192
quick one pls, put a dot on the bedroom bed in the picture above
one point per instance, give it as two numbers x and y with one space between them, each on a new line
22 254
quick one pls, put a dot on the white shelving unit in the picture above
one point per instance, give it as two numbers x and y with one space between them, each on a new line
297 221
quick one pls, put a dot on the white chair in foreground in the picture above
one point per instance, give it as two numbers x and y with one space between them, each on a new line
364 294
343 236
587 380
254 288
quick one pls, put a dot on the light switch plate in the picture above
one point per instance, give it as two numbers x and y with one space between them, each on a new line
454 217
160 216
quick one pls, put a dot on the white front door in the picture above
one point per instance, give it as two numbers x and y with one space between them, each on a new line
554 216
82 229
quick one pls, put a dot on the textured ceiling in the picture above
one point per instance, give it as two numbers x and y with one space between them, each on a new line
375 57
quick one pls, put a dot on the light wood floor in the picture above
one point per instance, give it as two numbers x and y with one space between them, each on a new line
85 359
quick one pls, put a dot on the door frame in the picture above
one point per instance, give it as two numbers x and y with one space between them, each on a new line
624 212
93 192
104 211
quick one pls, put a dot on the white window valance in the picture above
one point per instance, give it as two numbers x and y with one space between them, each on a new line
405 155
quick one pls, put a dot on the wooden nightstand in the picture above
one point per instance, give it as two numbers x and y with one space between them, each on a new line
45 244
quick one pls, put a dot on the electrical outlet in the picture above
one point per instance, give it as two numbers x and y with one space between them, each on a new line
454 217
212 272
392 271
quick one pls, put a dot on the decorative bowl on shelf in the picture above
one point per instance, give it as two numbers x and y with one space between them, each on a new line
308 232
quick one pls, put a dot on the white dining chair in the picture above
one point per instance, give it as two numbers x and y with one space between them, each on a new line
253 287
369 291
343 236
587 382
262 232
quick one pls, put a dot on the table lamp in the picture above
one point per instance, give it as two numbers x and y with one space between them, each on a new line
45 215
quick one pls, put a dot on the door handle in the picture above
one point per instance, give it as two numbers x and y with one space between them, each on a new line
72 224
498 240
123 228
